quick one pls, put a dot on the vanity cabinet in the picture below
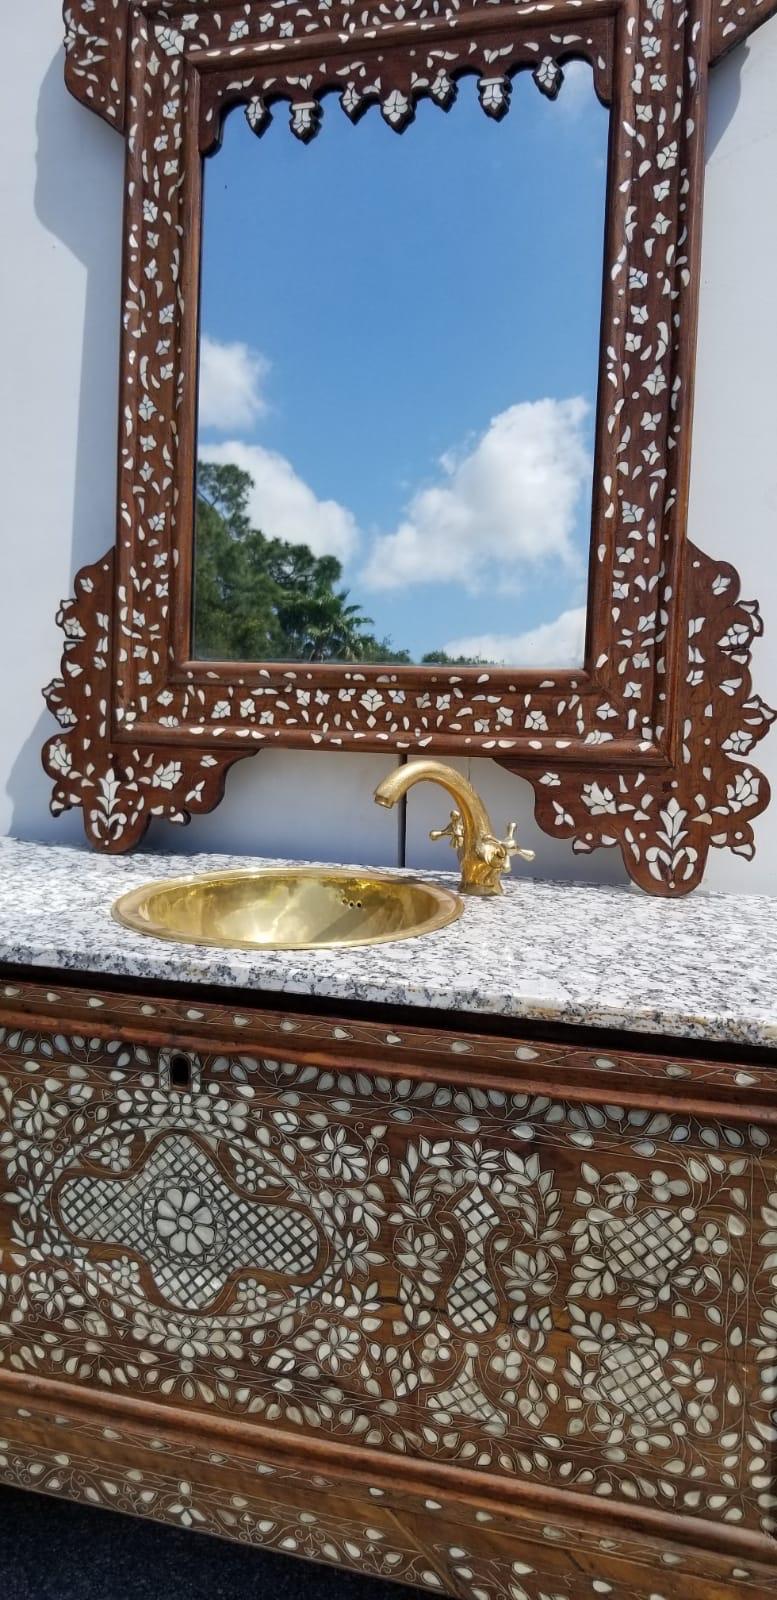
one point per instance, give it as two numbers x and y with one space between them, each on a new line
485 1311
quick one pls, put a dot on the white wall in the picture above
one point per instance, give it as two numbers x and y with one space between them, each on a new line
60 203
733 511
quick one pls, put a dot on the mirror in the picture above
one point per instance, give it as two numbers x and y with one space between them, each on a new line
399 346
399 358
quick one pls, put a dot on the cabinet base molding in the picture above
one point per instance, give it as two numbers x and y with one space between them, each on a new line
438 1540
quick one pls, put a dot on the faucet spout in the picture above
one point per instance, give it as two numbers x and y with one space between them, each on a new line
473 812
483 858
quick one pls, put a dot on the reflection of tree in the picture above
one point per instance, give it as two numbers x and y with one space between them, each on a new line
440 658
321 626
259 599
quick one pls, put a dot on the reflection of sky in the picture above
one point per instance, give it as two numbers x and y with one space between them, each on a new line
405 291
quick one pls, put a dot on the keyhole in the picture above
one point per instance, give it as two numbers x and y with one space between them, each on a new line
180 1073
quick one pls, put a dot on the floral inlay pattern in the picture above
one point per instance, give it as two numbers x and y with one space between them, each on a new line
564 1290
650 748
188 1224
439 1544
185 1221
253 1501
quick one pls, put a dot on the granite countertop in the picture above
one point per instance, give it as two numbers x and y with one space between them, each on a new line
704 967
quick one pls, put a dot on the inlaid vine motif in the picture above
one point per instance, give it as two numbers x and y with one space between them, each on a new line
440 1544
567 1293
253 1502
649 747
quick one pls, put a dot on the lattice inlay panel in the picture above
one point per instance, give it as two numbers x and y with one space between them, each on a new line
578 1294
191 1227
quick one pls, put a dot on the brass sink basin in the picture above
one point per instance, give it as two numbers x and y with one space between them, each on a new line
287 908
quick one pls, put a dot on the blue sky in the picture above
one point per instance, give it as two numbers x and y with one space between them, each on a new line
399 341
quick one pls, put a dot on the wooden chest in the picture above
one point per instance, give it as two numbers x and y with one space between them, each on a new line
493 1314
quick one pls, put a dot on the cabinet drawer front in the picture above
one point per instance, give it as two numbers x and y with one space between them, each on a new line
575 1294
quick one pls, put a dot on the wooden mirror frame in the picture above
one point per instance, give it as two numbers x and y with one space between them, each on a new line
641 748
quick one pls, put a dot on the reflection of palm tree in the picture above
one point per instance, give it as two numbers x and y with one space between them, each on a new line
335 629
261 599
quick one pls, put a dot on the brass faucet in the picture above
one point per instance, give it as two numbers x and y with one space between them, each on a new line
482 857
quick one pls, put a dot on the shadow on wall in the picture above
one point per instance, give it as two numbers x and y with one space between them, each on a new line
78 198
725 90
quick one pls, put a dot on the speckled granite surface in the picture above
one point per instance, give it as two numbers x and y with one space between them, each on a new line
705 967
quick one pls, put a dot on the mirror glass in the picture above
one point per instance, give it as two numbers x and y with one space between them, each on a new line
398 374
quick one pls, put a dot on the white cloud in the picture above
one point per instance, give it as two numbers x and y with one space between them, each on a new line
560 643
577 91
508 502
283 506
232 377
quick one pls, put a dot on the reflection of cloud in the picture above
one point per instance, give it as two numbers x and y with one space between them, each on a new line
231 380
283 506
560 643
510 501
577 91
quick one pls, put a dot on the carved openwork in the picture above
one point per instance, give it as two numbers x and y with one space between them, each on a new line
648 746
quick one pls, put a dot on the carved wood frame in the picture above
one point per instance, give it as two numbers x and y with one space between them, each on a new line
639 749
